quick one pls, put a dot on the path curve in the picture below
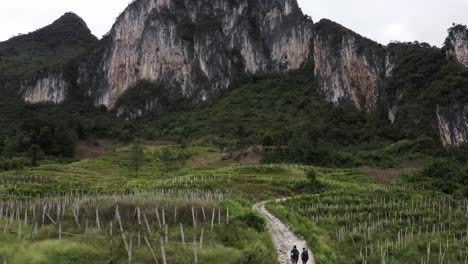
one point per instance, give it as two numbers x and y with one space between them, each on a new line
282 236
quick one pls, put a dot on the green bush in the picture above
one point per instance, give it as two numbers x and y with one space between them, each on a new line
447 175
254 221
254 254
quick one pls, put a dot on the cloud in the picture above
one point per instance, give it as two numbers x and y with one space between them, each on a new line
384 21
381 20
397 31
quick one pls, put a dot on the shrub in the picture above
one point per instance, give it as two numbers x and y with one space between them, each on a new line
254 221
254 254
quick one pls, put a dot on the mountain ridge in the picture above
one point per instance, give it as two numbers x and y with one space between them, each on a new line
196 50
41 66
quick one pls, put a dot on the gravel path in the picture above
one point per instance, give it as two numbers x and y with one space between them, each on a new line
283 238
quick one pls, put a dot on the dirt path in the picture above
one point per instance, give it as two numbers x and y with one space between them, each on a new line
283 238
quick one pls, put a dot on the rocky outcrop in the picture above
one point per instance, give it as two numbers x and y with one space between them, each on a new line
196 47
457 44
453 126
51 88
350 68
42 65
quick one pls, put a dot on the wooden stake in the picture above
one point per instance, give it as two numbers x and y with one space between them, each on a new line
195 255
182 234
98 223
60 231
150 249
159 220
147 224
19 230
193 218
213 218
201 238
227 216
204 215
130 250
163 252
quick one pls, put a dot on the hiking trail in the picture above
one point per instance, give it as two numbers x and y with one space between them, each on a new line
283 238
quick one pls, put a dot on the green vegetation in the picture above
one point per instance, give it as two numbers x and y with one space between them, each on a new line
447 176
425 79
345 215
170 173
170 167
294 126
357 221
53 130
51 48
102 183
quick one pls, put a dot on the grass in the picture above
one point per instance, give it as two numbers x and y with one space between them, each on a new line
113 173
237 242
357 221
339 223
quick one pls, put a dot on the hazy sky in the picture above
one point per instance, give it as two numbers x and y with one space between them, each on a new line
381 20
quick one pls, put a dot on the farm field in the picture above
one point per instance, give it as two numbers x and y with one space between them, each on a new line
194 205
189 206
354 220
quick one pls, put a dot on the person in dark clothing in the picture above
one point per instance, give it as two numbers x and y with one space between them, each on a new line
294 255
305 256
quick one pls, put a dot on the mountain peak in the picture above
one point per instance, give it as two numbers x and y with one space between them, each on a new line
72 18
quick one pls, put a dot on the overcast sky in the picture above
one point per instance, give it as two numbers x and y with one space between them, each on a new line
381 20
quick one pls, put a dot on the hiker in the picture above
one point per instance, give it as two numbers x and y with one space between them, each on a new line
294 255
305 256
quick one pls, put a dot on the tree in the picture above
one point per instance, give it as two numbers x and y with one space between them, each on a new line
314 183
10 148
167 158
137 156
34 154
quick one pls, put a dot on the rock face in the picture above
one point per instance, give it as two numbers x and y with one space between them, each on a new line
197 47
51 88
42 66
453 127
457 44
350 68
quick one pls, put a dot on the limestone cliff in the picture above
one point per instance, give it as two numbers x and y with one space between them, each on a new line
350 68
196 47
41 66
453 126
51 88
456 44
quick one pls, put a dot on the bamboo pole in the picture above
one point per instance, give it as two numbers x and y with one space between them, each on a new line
182 234
163 252
150 249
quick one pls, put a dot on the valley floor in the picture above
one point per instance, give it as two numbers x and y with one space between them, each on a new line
194 205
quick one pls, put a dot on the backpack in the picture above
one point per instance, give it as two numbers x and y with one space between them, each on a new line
305 255
295 254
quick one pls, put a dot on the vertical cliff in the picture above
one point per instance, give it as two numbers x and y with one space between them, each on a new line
453 126
51 88
196 47
350 68
456 44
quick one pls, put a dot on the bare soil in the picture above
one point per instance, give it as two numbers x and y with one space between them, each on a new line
94 149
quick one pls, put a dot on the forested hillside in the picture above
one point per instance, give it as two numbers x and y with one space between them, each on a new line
60 44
